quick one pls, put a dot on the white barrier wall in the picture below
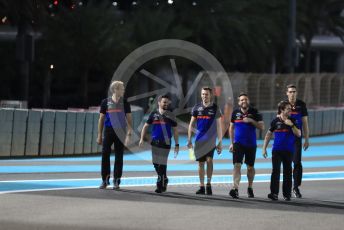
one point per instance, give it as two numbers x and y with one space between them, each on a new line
33 133
59 133
70 132
6 126
95 146
55 133
79 133
19 132
47 133
88 137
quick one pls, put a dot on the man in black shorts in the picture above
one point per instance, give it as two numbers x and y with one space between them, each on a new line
300 114
207 115
242 132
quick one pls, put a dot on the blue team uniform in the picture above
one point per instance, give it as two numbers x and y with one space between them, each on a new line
245 140
298 111
114 133
282 152
206 129
161 143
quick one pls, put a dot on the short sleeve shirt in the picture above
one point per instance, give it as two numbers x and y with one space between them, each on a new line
162 125
206 121
284 136
115 112
298 111
245 133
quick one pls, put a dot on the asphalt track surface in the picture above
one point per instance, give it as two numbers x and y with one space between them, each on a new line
61 193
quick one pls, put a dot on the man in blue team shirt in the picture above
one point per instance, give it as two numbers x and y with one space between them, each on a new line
208 118
163 122
115 115
300 114
285 130
242 132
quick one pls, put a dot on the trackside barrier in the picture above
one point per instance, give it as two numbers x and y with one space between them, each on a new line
47 133
59 133
19 132
33 133
80 132
311 122
54 133
88 133
6 126
70 132
339 120
95 146
320 121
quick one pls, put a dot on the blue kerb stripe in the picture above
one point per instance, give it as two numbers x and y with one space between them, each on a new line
149 167
313 151
56 184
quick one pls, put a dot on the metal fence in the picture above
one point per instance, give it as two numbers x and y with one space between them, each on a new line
266 90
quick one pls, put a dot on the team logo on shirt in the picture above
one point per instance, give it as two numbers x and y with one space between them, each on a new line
156 116
279 125
238 116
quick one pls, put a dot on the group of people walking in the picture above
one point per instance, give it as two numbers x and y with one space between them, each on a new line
289 126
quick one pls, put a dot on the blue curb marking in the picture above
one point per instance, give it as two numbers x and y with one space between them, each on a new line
149 167
313 151
141 181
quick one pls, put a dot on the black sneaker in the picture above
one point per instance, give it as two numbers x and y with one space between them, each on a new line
200 191
273 196
297 193
234 193
250 193
209 190
104 185
164 187
286 198
158 190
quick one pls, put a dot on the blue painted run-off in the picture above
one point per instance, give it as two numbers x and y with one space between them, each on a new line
313 151
140 181
149 167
